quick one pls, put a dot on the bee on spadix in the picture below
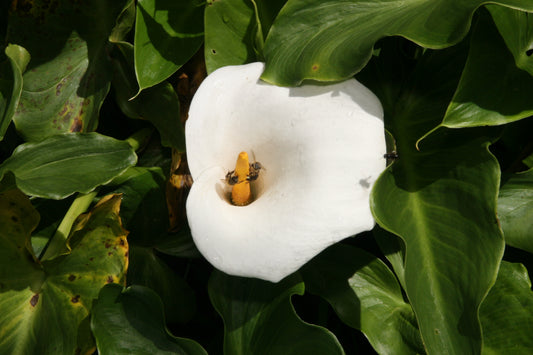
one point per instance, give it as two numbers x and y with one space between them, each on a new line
240 178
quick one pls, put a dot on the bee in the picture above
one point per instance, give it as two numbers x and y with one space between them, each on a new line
240 178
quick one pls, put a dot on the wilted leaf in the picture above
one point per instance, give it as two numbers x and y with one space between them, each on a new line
61 292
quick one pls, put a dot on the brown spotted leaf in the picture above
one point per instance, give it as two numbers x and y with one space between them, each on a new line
44 315
69 75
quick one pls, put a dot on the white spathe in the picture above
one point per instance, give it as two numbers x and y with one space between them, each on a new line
321 147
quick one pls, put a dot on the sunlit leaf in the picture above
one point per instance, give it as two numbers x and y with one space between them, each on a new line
67 163
11 70
365 295
515 210
507 313
60 291
167 34
440 200
259 318
131 321
333 39
492 90
68 76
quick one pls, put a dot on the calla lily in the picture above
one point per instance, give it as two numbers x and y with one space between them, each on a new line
320 149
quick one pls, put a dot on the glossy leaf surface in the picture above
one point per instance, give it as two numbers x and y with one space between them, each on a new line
68 76
67 163
450 184
515 208
131 321
167 34
492 89
259 318
60 291
366 296
333 39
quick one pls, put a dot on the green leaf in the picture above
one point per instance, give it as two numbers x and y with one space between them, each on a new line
67 163
167 34
331 40
68 76
124 23
492 90
229 33
515 208
158 104
507 312
440 200
11 83
62 292
366 296
132 321
515 28
259 318
147 269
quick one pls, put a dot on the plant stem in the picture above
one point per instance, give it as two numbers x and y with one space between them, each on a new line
58 240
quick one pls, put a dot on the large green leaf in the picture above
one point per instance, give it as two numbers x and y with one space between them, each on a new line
229 33
68 76
131 321
515 28
507 312
167 34
333 39
67 163
492 90
259 318
515 208
41 313
158 104
11 83
365 295
441 201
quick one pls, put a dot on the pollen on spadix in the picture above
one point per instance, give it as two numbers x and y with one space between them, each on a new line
241 194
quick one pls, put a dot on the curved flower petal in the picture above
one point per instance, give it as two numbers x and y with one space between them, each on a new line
321 148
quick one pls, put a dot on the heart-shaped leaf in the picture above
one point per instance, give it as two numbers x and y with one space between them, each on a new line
131 321
167 34
450 184
333 39
259 318
67 163
366 296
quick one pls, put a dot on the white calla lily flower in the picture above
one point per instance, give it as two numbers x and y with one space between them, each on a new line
320 149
